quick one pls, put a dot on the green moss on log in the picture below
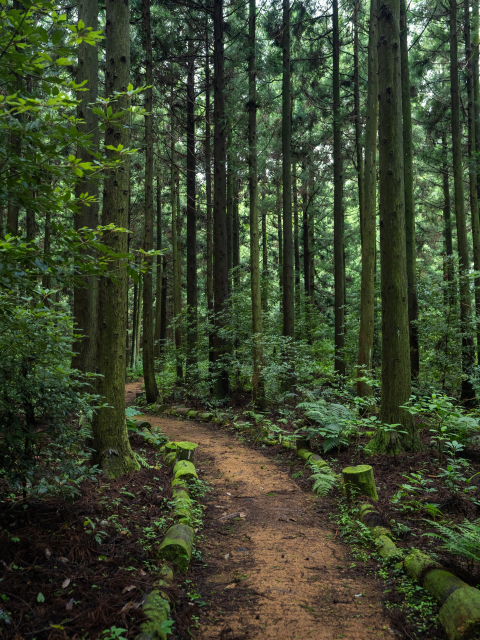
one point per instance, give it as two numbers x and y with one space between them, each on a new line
359 481
460 614
441 584
417 564
157 610
205 417
305 454
177 546
192 413
185 470
170 458
186 450
180 483
387 548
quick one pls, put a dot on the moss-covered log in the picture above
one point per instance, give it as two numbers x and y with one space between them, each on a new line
183 411
387 548
143 424
157 608
441 584
186 450
359 481
417 564
180 483
304 454
183 505
192 413
205 417
185 470
177 546
460 615
170 458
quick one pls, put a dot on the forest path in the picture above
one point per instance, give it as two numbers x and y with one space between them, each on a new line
278 571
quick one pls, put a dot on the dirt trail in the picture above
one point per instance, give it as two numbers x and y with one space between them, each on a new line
286 574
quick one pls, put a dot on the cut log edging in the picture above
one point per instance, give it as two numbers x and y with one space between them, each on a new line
459 612
176 546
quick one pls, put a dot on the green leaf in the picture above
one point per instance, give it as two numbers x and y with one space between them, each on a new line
40 597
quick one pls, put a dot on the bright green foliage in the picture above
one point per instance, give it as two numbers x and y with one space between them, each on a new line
332 422
324 480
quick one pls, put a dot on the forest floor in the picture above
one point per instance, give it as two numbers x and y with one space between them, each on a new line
279 570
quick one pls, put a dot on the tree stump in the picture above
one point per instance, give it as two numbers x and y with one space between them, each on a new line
186 451
359 481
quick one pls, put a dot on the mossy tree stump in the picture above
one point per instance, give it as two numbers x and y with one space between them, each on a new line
186 451
359 481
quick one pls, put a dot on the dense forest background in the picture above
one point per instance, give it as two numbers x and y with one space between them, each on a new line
195 193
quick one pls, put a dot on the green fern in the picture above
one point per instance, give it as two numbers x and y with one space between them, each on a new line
460 540
324 481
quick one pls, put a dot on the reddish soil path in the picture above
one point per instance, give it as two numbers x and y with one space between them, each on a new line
280 571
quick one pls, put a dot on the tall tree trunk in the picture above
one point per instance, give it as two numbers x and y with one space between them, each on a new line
220 197
236 230
110 437
47 241
85 295
396 380
208 185
368 222
191 216
264 255
138 328
175 255
258 387
472 169
230 180
409 204
159 282
296 247
358 124
133 353
468 393
288 286
280 242
311 244
476 83
151 389
447 227
338 223
306 241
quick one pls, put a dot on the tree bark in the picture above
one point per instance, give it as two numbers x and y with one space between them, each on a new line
110 437
208 186
159 282
338 223
358 124
230 180
85 295
396 380
472 169
220 199
368 222
258 387
151 389
468 393
288 286
191 217
175 255
409 203
296 247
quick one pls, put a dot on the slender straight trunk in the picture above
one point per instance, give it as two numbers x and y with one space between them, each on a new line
288 256
264 255
138 328
468 393
236 230
179 245
85 295
258 387
447 226
409 204
133 353
112 449
12 208
47 241
208 185
163 323
311 241
31 222
368 222
472 169
220 197
296 246
175 255
191 216
476 84
280 242
356 111
338 240
230 181
151 389
396 380
159 283
306 246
